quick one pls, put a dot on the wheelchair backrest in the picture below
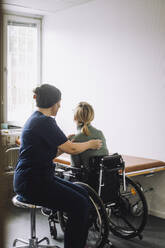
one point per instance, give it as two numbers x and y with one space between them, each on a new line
94 163
111 167
112 162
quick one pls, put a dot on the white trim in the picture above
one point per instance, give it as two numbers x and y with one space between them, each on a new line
21 14
157 213
151 170
4 97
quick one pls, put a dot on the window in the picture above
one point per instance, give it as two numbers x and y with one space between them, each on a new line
22 66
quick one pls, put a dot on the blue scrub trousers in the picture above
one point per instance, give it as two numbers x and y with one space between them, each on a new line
59 194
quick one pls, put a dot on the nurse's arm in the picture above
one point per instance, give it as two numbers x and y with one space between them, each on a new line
59 152
76 148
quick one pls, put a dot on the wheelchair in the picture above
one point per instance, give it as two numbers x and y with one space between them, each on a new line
98 226
119 203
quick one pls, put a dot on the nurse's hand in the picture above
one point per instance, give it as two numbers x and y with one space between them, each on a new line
71 136
95 144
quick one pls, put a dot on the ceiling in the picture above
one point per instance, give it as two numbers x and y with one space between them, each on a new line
50 6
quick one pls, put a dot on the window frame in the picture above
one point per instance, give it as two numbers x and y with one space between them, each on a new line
25 19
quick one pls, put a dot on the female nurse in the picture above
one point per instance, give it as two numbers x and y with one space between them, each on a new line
34 180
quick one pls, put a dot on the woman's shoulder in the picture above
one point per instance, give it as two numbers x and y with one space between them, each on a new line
94 130
79 137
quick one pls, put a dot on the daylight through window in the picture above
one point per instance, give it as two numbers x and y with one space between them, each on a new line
22 67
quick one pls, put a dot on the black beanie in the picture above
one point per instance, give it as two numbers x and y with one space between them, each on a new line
47 95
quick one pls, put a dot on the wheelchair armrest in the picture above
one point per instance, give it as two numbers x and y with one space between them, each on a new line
75 169
16 148
68 168
64 167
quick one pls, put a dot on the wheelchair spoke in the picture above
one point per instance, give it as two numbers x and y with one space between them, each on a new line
98 221
128 216
128 223
126 207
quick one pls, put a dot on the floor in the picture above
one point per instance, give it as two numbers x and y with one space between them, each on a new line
18 225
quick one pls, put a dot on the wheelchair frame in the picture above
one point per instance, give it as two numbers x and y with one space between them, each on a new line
114 209
120 166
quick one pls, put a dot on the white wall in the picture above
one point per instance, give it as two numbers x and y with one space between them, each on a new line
112 54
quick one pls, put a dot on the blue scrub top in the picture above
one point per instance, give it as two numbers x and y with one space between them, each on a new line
40 139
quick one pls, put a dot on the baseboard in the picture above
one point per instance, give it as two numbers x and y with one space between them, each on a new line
157 213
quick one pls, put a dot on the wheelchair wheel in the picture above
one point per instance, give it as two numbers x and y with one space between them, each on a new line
98 222
128 215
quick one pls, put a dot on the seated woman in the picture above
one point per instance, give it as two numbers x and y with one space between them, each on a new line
83 116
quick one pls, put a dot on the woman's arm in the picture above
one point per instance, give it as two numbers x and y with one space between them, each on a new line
76 148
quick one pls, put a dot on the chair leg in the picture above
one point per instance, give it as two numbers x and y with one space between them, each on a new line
33 222
38 246
33 241
22 246
46 239
49 246
20 240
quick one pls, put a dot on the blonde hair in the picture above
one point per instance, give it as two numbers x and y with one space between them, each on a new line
84 114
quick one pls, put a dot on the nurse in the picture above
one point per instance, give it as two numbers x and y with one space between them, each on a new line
34 180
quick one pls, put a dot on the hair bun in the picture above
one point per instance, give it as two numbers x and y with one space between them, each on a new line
36 90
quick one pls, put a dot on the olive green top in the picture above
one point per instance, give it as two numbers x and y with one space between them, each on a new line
83 158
